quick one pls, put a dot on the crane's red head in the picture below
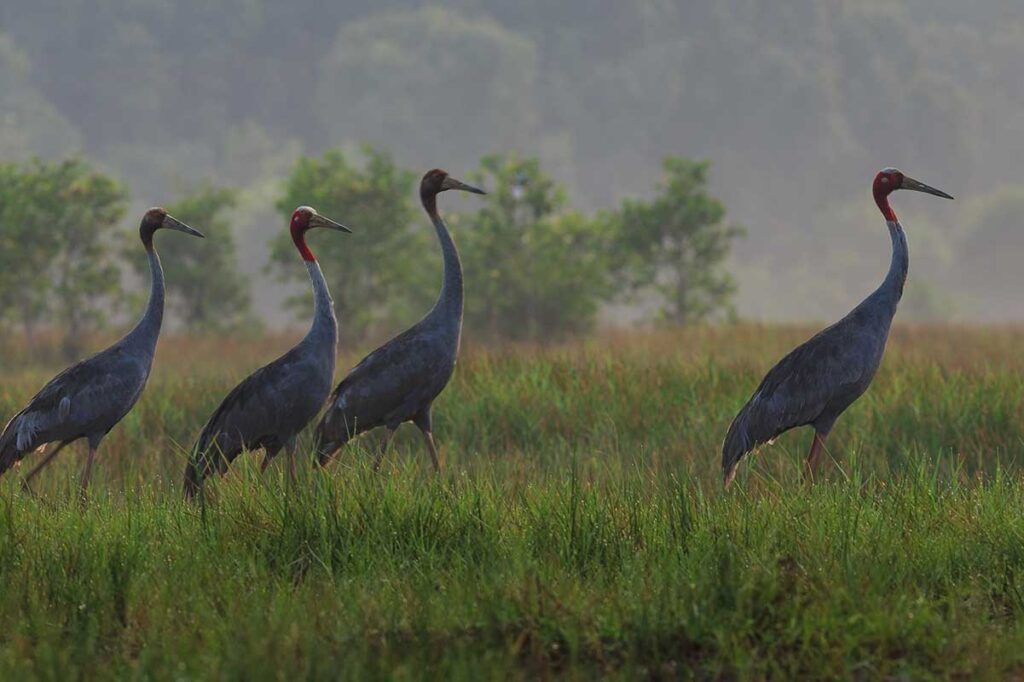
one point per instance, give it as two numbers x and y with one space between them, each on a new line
888 181
436 181
157 218
305 218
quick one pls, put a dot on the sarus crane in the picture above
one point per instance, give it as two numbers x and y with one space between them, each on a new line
274 403
819 379
89 398
399 381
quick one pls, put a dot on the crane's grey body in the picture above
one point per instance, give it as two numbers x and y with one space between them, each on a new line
89 398
818 380
399 381
274 403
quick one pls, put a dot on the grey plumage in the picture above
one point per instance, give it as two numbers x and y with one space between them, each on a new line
399 381
820 379
274 403
89 398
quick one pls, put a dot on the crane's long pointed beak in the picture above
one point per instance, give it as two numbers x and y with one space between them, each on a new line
172 223
452 183
918 186
323 221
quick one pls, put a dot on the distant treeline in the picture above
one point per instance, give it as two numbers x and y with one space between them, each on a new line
534 269
798 103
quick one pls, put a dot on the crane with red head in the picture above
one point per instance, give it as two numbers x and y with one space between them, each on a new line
273 404
399 381
89 398
817 381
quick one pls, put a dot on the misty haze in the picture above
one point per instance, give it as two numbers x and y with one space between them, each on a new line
795 106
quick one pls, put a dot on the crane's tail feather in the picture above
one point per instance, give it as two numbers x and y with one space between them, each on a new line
328 438
203 463
326 449
9 452
738 442
193 483
748 431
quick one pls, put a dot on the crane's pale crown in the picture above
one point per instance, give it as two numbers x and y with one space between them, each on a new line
301 217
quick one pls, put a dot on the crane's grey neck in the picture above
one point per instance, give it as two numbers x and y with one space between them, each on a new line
449 302
891 290
147 330
325 324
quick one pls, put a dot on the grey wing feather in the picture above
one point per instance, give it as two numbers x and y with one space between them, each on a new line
387 386
86 399
797 391
251 412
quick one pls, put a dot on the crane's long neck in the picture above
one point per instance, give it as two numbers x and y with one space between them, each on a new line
324 329
891 290
449 302
148 329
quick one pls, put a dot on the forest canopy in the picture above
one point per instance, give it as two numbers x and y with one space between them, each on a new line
796 105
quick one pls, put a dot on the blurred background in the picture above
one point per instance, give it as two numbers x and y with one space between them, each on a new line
649 161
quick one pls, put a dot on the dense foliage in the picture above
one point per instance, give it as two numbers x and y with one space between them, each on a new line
57 223
675 243
797 105
367 271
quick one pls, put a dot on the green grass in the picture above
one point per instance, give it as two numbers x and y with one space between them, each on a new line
578 528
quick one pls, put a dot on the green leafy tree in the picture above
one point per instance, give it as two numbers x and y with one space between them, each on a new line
676 243
58 219
368 270
204 286
23 255
532 271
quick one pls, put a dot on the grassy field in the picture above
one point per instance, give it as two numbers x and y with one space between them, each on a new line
578 527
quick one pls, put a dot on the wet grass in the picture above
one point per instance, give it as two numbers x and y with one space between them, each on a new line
579 528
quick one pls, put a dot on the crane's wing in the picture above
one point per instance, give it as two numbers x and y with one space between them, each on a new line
88 397
251 411
389 384
796 391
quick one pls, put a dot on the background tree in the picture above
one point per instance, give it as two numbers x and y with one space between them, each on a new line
368 271
676 243
23 255
792 101
204 286
532 271
59 218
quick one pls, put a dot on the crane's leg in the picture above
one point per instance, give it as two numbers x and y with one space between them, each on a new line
428 437
424 422
39 467
814 456
290 448
87 473
388 435
269 453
